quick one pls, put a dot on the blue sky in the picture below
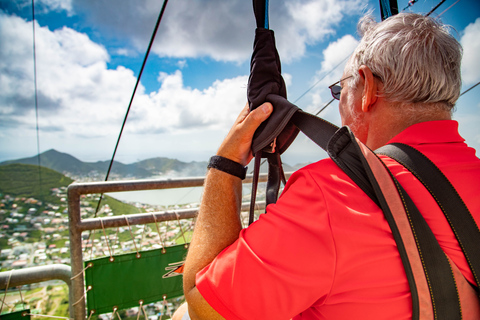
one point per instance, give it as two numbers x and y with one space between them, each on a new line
89 54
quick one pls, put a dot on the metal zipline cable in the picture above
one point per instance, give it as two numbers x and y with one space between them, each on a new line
326 74
447 9
137 83
410 3
435 8
316 83
159 19
469 89
36 100
133 95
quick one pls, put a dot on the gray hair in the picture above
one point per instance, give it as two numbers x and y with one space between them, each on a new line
416 58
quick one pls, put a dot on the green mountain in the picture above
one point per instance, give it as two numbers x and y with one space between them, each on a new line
25 180
67 164
71 166
162 165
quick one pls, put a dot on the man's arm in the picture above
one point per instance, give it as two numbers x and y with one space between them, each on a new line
218 224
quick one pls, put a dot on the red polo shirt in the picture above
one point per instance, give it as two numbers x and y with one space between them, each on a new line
325 250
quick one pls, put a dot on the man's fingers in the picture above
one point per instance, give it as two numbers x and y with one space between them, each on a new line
237 144
257 116
243 114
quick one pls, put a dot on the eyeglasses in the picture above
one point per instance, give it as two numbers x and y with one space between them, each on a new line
336 88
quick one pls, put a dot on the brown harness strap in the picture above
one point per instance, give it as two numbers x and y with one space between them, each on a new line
469 302
397 209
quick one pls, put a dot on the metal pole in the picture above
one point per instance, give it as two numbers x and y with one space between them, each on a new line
77 225
20 277
139 185
76 257
146 218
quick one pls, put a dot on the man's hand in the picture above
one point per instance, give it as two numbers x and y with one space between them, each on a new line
218 223
237 144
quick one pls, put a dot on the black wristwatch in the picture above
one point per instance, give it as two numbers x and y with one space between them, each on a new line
228 166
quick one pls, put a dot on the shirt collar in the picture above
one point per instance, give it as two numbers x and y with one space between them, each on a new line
442 131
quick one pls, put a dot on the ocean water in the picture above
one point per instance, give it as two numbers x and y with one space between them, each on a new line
163 197
177 196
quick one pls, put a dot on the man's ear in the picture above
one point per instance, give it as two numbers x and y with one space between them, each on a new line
370 88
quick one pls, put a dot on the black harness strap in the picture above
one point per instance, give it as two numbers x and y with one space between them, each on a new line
275 176
260 10
346 154
440 278
452 205
344 151
253 197
294 120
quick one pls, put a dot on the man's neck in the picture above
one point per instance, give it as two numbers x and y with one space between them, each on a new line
389 121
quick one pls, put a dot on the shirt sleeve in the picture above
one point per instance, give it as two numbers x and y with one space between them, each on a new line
281 264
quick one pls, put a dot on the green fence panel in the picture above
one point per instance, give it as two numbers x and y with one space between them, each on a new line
17 315
129 279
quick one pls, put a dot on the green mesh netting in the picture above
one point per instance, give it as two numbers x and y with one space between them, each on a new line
17 315
128 279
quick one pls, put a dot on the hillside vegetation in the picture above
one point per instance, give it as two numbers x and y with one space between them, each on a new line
118 207
71 166
23 180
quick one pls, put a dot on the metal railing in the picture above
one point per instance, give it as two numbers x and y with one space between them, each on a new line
20 277
77 225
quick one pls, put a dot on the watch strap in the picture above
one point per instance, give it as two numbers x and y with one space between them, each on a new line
228 166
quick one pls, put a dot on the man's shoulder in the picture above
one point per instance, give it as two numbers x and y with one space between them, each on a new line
322 162
324 172
325 166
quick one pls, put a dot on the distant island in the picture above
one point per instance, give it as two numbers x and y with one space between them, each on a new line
96 171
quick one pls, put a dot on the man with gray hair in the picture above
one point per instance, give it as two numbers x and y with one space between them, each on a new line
325 249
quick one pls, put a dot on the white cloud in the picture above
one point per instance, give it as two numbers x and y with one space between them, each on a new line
306 22
222 30
125 52
316 19
334 58
58 5
288 79
177 108
471 47
219 29
42 6
336 53
182 64
73 82
79 97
